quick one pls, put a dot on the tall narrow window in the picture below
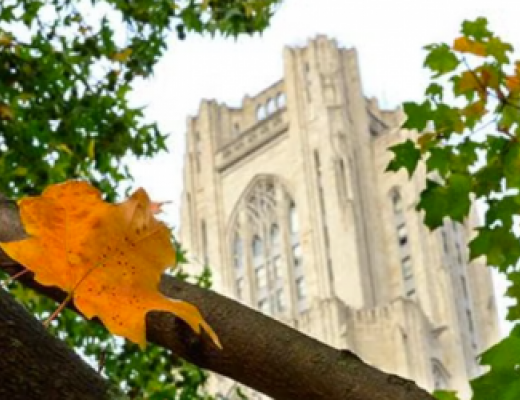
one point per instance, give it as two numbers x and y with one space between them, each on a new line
402 235
275 249
275 237
261 277
258 261
301 290
403 241
281 100
258 250
237 252
293 219
406 265
271 106
277 267
260 112
297 255
397 202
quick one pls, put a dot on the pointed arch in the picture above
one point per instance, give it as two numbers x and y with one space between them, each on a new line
261 218
276 180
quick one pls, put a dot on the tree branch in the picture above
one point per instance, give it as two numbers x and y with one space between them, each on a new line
34 365
259 352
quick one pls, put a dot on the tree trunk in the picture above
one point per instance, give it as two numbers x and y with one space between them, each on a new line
259 352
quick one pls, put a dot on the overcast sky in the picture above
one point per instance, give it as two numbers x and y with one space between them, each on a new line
389 36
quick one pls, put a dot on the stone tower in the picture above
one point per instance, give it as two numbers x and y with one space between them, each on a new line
287 200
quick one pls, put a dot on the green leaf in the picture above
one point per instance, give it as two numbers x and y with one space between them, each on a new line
499 245
439 160
451 200
418 115
445 395
435 91
476 29
440 59
498 50
513 291
406 155
447 119
512 165
502 381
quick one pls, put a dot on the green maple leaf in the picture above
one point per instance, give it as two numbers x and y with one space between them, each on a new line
418 115
502 381
498 49
499 245
441 59
449 200
406 155
476 29
439 160
435 91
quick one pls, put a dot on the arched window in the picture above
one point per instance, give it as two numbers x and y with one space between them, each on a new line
281 100
268 259
271 106
260 113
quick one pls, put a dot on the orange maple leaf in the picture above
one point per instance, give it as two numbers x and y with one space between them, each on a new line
513 83
465 45
108 257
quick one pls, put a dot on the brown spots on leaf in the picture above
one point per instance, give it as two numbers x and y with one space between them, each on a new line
108 238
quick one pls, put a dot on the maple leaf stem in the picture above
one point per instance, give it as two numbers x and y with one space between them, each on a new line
15 277
58 310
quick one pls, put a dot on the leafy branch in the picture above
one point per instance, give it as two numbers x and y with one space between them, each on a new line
473 160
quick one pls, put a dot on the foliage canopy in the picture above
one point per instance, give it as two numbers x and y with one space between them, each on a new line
469 132
67 69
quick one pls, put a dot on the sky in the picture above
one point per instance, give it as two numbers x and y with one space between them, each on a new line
388 35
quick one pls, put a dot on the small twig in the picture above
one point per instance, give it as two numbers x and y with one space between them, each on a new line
15 277
58 310
482 86
484 126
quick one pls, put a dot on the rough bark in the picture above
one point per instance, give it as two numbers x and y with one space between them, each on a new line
258 351
35 365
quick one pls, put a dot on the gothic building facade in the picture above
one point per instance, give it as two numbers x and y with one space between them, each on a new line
287 199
